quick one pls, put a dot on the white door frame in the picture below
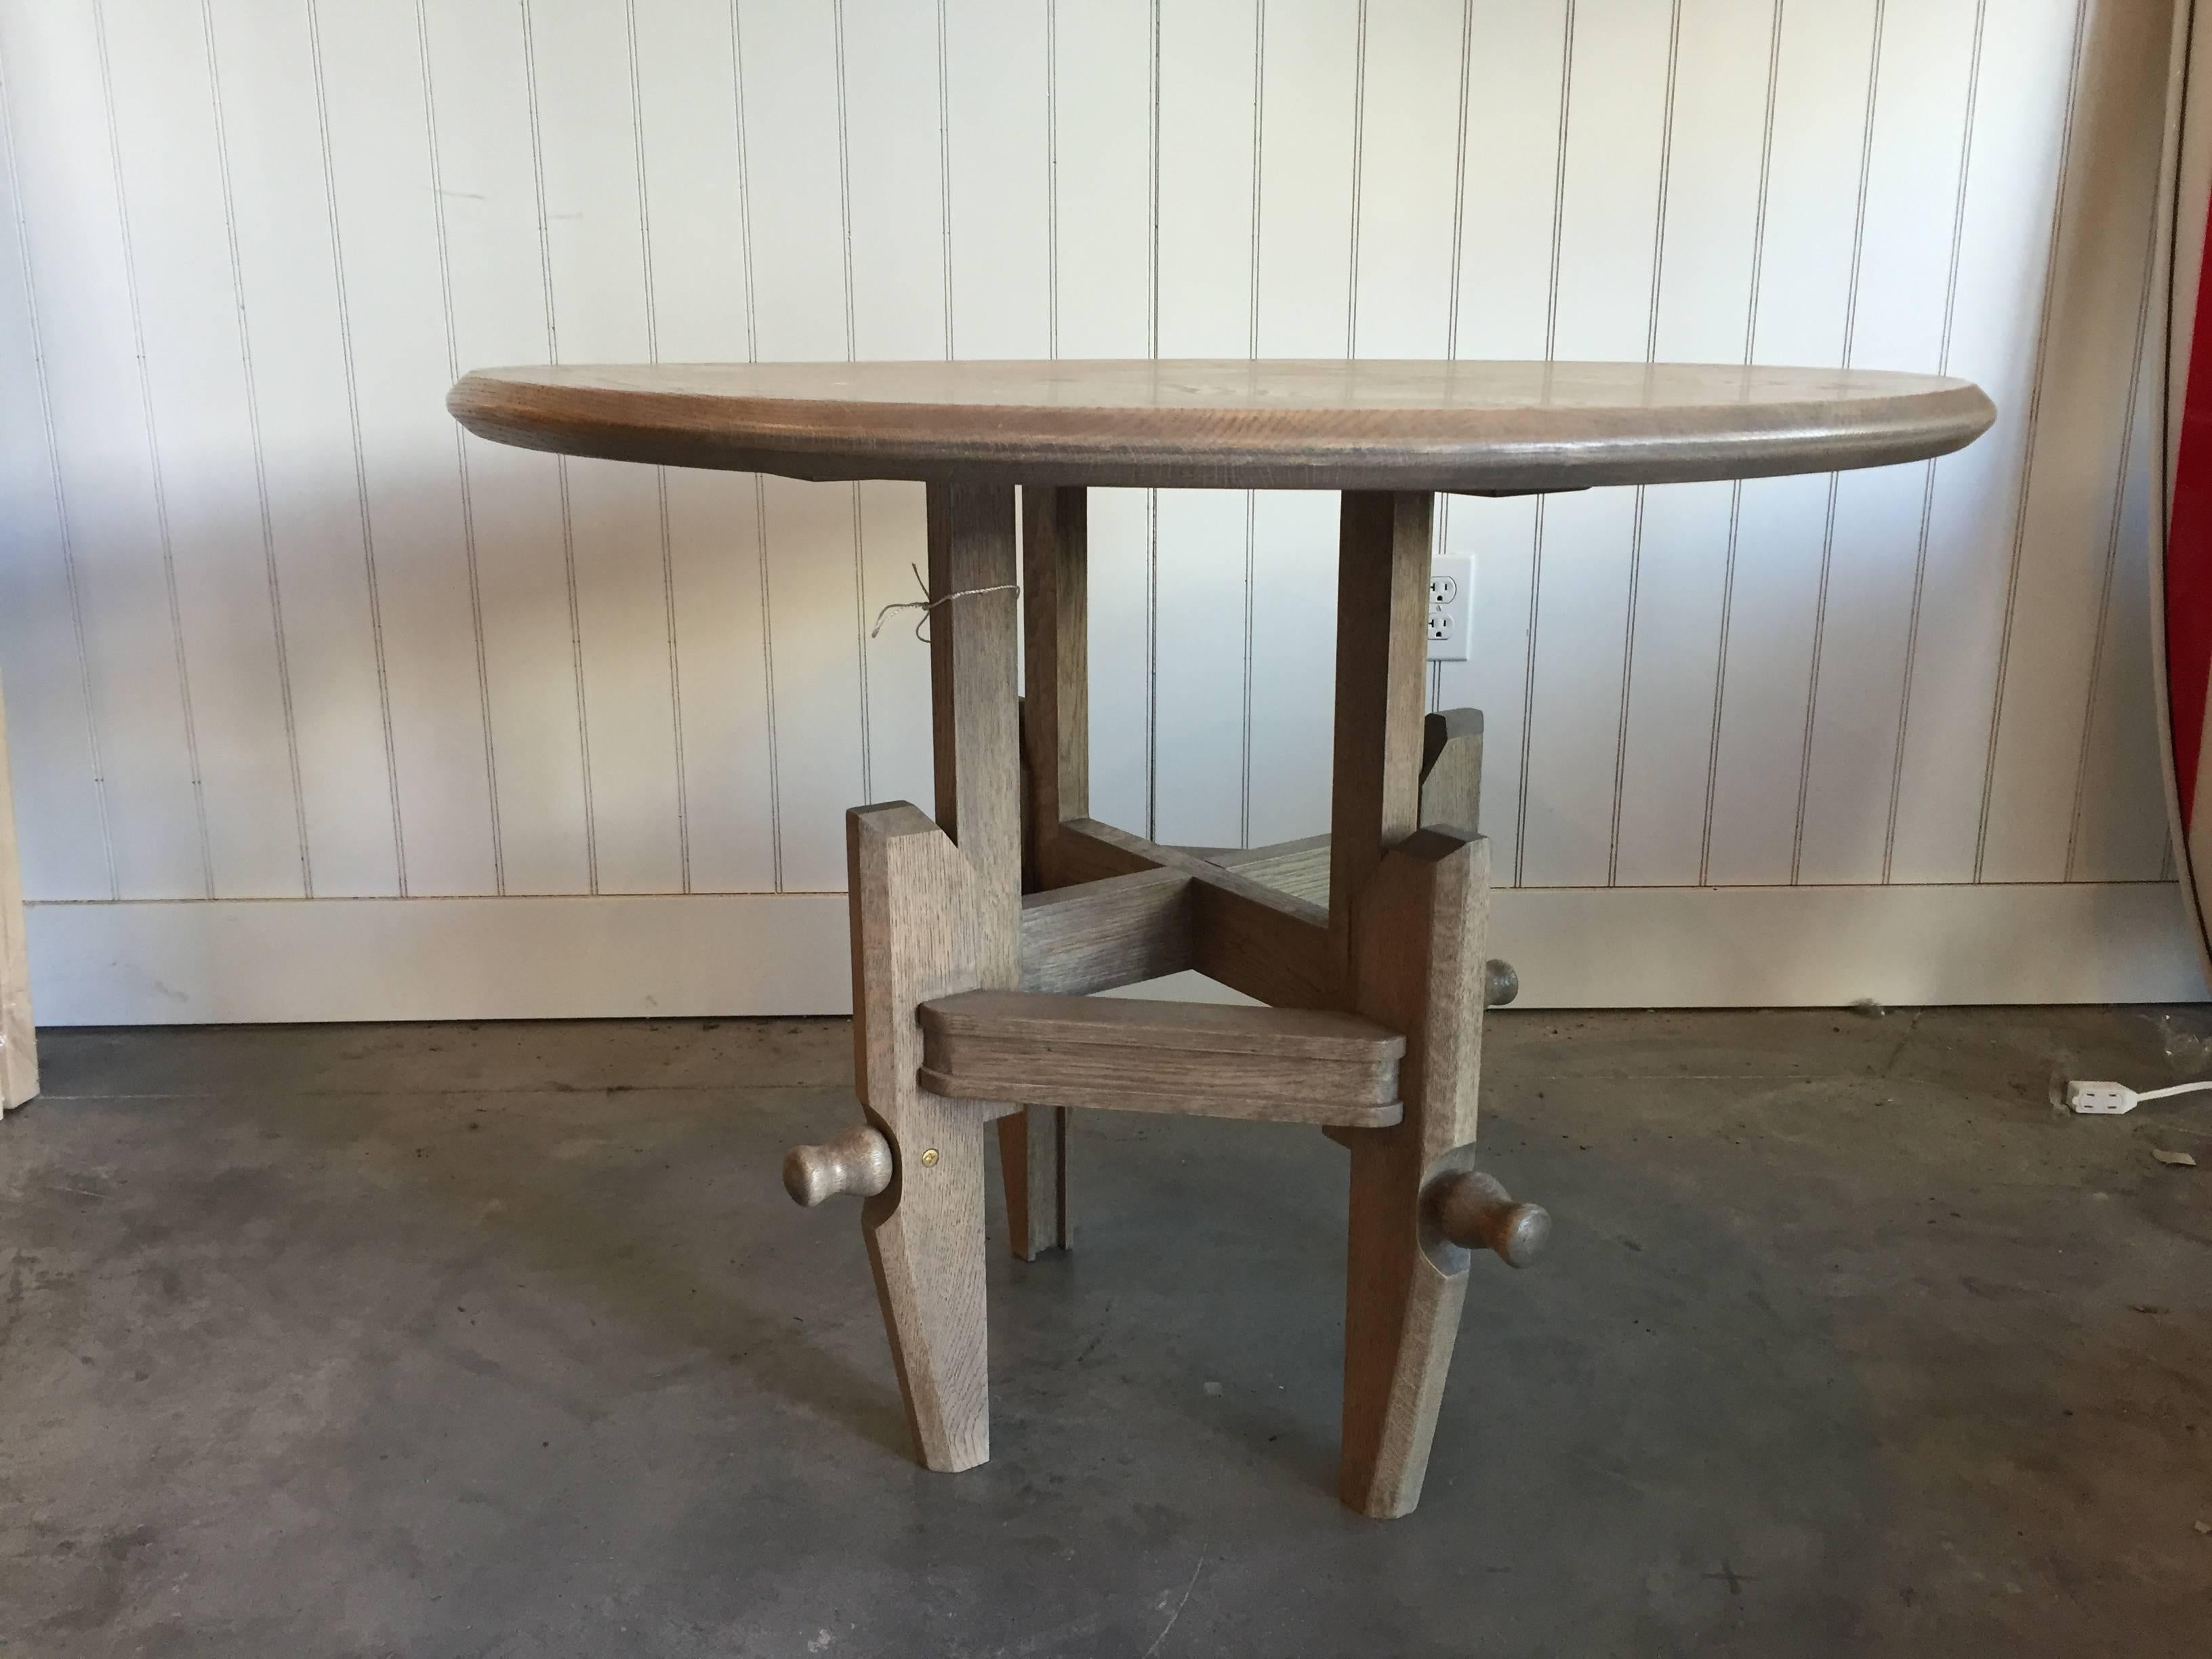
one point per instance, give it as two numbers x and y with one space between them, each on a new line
19 1050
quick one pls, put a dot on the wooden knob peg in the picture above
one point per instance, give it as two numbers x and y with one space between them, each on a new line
1500 984
1476 1213
858 1162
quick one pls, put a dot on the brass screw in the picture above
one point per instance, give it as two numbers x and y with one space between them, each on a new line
929 1157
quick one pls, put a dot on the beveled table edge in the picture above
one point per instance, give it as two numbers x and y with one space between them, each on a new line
1480 451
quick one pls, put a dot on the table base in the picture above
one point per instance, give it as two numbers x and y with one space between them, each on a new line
977 935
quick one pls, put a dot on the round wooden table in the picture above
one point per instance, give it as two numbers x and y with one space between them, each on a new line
978 935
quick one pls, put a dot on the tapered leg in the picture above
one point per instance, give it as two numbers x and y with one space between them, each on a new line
1419 964
1407 914
936 908
927 1252
1033 1147
913 938
1033 1160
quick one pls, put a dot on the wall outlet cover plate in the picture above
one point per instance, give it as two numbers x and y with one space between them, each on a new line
1451 605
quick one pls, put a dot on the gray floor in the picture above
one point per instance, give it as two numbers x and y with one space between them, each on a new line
503 1341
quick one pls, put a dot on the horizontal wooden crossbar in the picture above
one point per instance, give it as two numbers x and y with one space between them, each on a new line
1299 868
1266 944
1451 791
1107 934
1121 908
1199 1059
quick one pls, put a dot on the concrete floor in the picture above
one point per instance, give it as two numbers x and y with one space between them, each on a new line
448 1340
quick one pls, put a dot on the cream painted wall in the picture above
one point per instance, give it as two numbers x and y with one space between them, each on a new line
289 658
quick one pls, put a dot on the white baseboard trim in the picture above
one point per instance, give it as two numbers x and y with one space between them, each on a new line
1758 947
245 961
250 961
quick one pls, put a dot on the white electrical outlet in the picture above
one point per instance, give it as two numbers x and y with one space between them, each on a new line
1451 596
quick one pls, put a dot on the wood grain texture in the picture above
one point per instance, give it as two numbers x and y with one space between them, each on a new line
1033 1169
1107 934
976 731
1473 1211
1195 1059
1451 793
1056 678
1322 1036
858 1162
1392 425
19 1049
1203 1095
973 721
1408 914
1033 1141
915 935
1055 736
1268 945
1451 769
1299 868
1382 601
1417 967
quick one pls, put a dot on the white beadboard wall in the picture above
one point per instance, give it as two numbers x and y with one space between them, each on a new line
321 709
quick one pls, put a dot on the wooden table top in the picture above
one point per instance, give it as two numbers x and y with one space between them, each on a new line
1477 428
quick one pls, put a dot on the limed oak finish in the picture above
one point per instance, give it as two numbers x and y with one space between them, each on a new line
1481 427
1195 1059
978 936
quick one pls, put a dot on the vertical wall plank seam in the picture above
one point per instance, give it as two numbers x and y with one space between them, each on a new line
1442 528
1051 180
2070 197
1927 491
154 448
660 473
1528 692
460 457
1252 350
2112 545
852 352
844 175
1152 496
1636 527
1358 182
1536 535
1835 479
360 447
1459 200
944 168
260 455
61 492
1736 490
760 486
560 462
2034 421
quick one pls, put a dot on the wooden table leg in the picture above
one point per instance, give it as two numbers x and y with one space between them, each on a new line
936 909
1381 668
912 897
1407 917
1057 746
18 1052
1420 972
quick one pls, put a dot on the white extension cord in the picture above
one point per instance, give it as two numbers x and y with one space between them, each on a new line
2111 1099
